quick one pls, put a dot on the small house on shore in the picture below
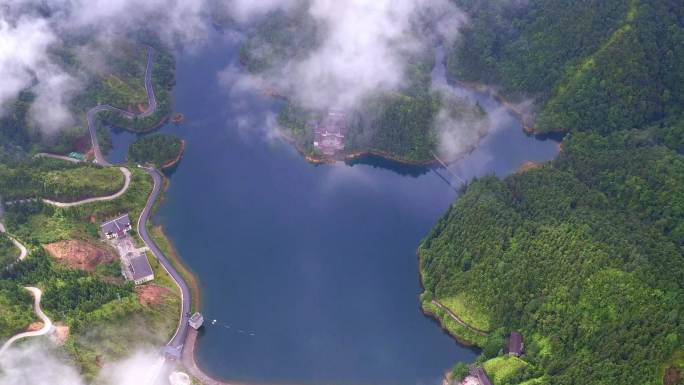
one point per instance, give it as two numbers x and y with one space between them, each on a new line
480 375
196 321
117 228
515 344
140 269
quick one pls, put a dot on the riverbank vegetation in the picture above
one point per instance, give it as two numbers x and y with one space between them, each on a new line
160 150
58 180
583 256
590 65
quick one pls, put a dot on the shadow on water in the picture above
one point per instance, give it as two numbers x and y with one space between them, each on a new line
388 164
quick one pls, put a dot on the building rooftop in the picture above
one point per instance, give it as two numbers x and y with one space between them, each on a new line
515 343
116 225
140 267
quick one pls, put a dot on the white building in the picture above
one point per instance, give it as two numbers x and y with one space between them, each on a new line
196 321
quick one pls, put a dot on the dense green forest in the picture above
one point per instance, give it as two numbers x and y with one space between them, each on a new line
584 256
399 124
157 149
57 180
590 64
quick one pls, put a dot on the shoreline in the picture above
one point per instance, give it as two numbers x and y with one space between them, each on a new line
433 315
526 119
525 123
174 162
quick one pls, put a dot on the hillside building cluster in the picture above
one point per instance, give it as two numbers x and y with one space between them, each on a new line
134 263
330 133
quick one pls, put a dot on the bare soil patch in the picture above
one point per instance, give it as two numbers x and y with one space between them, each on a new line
35 326
152 295
81 255
672 376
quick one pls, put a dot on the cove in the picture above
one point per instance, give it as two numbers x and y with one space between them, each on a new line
310 271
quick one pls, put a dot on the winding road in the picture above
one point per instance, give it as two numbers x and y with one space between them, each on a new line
151 109
182 329
47 323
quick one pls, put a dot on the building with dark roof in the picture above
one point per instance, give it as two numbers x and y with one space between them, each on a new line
481 376
140 269
515 344
117 228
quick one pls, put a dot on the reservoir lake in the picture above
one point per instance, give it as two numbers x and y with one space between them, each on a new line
309 271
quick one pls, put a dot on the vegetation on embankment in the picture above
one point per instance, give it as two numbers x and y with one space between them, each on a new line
58 180
583 256
160 150
599 65
120 83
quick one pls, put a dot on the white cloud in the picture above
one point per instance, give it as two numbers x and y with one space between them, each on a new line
23 51
34 363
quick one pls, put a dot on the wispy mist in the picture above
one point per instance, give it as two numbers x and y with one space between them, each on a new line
35 363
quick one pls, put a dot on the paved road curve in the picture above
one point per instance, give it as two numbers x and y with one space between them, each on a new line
47 323
182 330
151 109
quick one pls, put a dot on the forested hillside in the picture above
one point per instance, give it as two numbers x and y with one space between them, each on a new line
584 256
589 64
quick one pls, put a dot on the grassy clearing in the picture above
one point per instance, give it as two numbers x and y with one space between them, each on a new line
460 332
90 181
469 310
502 368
